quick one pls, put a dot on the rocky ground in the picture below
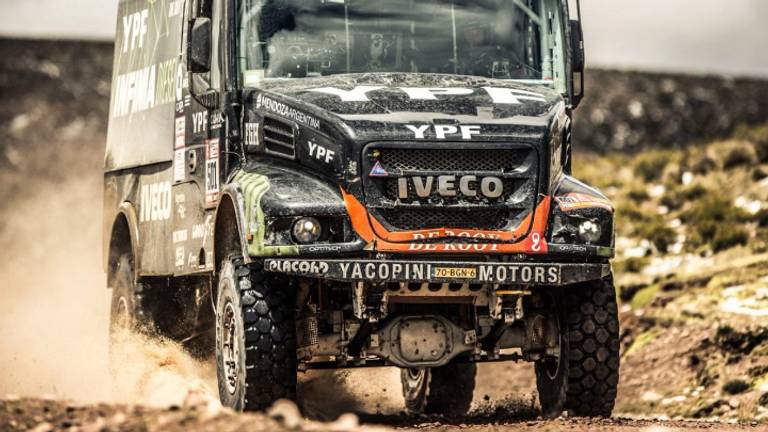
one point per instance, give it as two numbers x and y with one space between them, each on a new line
693 277
692 270
47 415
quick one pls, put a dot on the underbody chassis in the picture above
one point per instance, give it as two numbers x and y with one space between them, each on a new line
426 314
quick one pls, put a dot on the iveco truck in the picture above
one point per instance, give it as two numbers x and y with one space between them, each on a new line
305 184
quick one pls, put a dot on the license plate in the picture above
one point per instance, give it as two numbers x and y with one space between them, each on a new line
456 272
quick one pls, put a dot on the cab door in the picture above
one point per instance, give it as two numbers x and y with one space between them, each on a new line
198 143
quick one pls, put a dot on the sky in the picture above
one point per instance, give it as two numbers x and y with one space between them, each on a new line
695 36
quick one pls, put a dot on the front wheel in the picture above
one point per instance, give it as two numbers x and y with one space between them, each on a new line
583 379
255 337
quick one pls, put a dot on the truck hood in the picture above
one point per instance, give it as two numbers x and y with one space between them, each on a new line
390 106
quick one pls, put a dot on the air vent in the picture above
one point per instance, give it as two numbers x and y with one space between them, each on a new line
279 138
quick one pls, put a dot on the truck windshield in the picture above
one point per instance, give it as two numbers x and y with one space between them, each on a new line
505 39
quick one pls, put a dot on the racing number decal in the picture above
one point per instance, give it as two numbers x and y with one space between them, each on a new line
536 242
211 171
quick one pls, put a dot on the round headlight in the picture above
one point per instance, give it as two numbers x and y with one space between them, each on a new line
307 230
590 231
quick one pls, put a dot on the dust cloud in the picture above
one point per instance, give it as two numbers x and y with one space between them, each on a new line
54 307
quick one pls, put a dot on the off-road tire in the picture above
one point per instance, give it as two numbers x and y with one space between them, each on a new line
126 310
584 378
255 337
592 321
446 390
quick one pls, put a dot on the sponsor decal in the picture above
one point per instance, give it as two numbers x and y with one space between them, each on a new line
179 165
155 202
450 186
252 134
217 121
442 132
181 206
144 89
323 248
416 271
455 233
499 95
575 201
211 171
378 170
192 259
180 256
352 168
135 30
203 230
180 236
569 248
520 274
453 247
199 122
286 111
320 153
181 131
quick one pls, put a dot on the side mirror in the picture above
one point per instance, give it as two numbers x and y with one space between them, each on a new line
577 63
199 49
577 47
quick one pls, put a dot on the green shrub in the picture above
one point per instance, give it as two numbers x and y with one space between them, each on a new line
638 194
714 221
759 173
758 136
738 153
630 265
762 218
729 236
655 230
736 386
675 198
650 165
702 164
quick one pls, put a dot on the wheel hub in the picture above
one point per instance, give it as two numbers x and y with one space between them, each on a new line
230 348
122 319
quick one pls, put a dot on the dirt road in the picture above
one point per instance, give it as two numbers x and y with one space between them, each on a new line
47 415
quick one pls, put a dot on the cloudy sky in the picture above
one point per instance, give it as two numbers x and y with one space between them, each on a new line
720 36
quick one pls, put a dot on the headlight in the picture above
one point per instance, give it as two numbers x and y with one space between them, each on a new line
307 230
590 231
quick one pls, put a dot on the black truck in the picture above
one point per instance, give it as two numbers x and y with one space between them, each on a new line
299 184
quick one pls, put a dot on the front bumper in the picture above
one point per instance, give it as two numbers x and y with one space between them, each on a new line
542 273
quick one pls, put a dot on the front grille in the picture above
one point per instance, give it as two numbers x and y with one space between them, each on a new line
494 160
514 165
416 219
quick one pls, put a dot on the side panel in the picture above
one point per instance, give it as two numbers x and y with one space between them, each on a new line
148 190
146 84
146 81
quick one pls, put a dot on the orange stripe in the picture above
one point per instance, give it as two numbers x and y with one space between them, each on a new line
371 230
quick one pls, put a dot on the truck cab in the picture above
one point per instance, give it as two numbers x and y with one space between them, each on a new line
298 184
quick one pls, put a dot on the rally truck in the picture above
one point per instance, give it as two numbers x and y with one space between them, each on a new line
309 184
